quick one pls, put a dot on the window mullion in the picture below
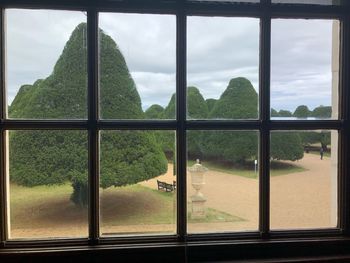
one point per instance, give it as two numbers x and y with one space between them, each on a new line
181 120
264 150
3 187
344 139
92 33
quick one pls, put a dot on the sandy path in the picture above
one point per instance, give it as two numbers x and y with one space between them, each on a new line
298 200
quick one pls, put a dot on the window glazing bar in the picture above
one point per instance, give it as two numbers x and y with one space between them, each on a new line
93 99
344 139
3 187
181 153
264 105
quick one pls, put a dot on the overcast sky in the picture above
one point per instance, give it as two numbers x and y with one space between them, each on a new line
219 49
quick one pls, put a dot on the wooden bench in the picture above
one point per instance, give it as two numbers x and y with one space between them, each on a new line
163 186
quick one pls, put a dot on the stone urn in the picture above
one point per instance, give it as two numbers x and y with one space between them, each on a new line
197 172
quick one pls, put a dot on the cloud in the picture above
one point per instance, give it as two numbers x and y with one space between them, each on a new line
218 49
301 56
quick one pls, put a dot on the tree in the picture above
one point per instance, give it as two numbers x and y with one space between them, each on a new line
285 113
274 113
322 112
154 112
239 101
196 109
286 146
301 111
43 158
210 104
312 137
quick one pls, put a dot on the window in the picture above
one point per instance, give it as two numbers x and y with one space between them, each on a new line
177 124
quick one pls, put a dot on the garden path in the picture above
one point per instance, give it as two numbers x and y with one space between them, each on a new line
298 200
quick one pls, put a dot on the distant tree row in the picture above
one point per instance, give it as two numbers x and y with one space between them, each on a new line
238 101
303 111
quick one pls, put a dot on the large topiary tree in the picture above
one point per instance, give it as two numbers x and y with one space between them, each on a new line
301 111
322 112
154 112
41 158
210 104
240 101
196 109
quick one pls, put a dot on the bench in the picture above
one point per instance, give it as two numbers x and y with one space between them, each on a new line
163 186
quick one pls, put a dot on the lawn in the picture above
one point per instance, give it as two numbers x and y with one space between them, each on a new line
277 168
50 206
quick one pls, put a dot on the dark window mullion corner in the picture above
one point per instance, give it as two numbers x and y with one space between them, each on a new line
181 151
264 149
92 33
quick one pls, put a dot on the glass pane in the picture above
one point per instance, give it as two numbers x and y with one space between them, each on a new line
313 2
137 65
305 69
223 68
46 64
137 182
222 181
304 179
48 184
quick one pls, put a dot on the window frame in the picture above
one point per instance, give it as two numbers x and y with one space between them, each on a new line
199 246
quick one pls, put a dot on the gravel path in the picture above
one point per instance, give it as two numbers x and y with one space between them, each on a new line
298 200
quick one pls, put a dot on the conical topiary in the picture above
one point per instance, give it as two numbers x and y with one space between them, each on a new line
53 157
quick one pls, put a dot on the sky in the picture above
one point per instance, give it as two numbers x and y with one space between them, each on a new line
218 49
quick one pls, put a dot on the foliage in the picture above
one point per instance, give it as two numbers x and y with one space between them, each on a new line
274 113
154 112
196 109
312 137
322 112
301 111
239 146
53 157
284 113
239 101
286 146
196 106
210 103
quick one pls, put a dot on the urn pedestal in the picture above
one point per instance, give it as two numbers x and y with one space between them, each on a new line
197 172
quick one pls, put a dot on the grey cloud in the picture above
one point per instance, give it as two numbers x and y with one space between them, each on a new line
35 39
218 49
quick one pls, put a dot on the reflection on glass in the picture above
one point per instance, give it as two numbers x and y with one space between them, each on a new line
304 69
48 184
137 65
222 181
223 68
304 192
46 64
137 182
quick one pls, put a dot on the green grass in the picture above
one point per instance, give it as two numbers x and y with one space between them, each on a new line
130 205
277 168
213 215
